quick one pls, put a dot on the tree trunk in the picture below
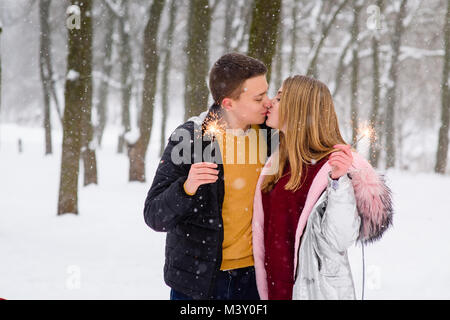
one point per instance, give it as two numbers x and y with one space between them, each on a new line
90 166
77 95
44 68
293 58
392 87
197 49
374 149
102 105
279 58
341 68
245 9
228 27
1 29
442 151
355 71
125 78
263 32
87 130
166 74
137 150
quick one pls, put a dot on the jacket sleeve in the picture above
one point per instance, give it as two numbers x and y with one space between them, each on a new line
167 203
340 221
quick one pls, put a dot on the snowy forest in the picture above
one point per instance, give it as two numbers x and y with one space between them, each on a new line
90 91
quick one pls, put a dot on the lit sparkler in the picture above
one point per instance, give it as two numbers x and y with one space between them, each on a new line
364 131
215 127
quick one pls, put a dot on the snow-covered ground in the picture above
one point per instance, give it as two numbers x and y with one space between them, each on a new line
107 251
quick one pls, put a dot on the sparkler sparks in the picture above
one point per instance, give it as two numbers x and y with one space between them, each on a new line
364 131
215 127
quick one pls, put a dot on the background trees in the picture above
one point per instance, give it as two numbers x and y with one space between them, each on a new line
77 111
442 149
263 31
137 150
386 63
1 29
197 51
45 66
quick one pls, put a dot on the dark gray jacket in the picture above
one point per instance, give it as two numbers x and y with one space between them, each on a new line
193 224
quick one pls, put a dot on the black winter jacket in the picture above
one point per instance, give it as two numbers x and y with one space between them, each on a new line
193 224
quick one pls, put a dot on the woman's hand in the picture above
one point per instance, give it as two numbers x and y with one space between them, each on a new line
340 161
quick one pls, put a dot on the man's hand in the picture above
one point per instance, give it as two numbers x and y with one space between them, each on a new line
200 173
340 161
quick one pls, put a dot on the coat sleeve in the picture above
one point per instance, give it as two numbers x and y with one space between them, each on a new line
340 222
167 203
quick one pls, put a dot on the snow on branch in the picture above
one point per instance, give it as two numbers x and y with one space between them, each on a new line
418 53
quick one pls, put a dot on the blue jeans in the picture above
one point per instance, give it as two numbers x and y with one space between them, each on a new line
237 284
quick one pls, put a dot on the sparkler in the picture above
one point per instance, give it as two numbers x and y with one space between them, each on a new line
215 127
365 131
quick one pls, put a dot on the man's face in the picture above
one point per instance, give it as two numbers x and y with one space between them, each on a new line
252 105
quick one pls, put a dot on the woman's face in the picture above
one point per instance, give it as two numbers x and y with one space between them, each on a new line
273 113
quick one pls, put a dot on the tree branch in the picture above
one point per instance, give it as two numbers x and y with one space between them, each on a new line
324 35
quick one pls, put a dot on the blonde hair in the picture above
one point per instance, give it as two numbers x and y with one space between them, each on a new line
307 112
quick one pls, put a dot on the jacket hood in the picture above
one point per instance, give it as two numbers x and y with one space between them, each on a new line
213 113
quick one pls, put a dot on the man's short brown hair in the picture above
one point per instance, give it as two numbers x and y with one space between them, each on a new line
229 74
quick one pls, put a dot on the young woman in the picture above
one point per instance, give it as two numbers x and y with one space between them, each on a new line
322 197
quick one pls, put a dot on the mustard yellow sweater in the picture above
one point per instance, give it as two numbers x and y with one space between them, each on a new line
241 171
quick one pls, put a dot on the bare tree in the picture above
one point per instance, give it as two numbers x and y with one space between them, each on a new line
236 31
197 50
46 72
278 74
442 150
374 149
263 31
138 149
228 33
392 85
125 72
242 30
326 28
1 29
107 66
77 102
354 103
342 66
87 130
166 73
294 37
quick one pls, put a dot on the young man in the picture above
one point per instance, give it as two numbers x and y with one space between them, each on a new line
205 205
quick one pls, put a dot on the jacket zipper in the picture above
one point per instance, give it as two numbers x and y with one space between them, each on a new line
220 243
